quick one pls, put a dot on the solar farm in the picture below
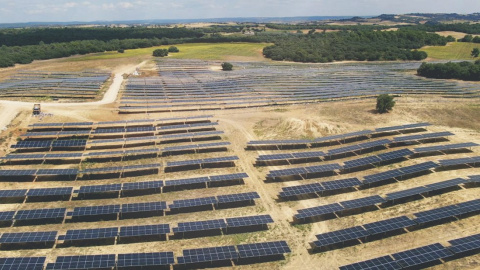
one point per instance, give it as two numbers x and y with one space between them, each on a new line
194 168
58 85
189 85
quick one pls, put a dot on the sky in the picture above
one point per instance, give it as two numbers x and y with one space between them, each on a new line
14 11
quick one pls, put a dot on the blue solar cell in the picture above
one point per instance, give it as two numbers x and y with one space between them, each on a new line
21 263
145 259
83 262
257 250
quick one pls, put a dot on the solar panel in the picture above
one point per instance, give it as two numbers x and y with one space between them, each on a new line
83 262
474 178
323 168
57 172
38 192
240 197
275 157
7 215
28 237
21 263
388 225
200 226
436 214
40 214
379 177
342 183
466 239
192 202
421 255
287 172
263 249
318 210
17 172
12 193
69 143
446 184
208 254
361 162
143 207
228 177
367 201
444 147
145 259
466 247
384 263
308 154
425 166
459 161
144 230
249 221
301 190
395 154
188 181
142 185
99 188
32 144
340 236
96 210
406 193
88 234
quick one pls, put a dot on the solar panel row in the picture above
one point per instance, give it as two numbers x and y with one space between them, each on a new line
339 207
237 222
96 189
222 253
422 256
340 136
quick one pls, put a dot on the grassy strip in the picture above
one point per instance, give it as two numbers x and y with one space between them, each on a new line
453 51
204 51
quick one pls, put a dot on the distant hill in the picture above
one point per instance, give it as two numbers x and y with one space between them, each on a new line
428 17
179 21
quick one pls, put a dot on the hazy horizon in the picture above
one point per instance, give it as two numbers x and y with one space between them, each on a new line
23 11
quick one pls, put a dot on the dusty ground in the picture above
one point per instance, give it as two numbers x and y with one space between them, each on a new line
299 121
242 125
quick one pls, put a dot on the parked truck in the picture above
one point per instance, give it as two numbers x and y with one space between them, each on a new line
36 109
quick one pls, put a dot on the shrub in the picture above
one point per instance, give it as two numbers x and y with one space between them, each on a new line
385 103
227 66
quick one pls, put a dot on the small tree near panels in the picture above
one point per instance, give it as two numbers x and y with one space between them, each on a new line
385 103
173 49
160 52
227 66
475 52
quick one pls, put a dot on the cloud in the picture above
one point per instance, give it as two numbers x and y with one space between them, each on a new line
125 5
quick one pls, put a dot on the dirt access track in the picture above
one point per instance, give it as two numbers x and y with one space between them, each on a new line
10 109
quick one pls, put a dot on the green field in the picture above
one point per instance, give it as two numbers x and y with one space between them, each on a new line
453 51
204 51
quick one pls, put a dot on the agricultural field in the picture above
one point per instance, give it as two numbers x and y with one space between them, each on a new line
453 51
182 156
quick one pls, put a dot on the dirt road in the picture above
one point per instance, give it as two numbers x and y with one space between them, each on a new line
10 109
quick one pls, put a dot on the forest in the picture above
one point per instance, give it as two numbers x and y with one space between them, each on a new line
354 45
466 71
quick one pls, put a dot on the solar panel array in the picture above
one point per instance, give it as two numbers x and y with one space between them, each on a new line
358 135
66 192
226 253
385 228
194 88
68 85
422 256
220 224
342 206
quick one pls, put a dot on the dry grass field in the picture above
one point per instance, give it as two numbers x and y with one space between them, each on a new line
460 116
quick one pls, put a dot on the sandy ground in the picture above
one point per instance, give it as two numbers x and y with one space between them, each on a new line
10 109
286 122
240 126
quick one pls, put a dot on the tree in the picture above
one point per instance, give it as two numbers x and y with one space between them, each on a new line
173 49
385 103
121 50
227 66
475 52
160 52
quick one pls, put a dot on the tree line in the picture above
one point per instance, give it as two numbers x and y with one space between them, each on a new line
353 45
466 71
34 36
